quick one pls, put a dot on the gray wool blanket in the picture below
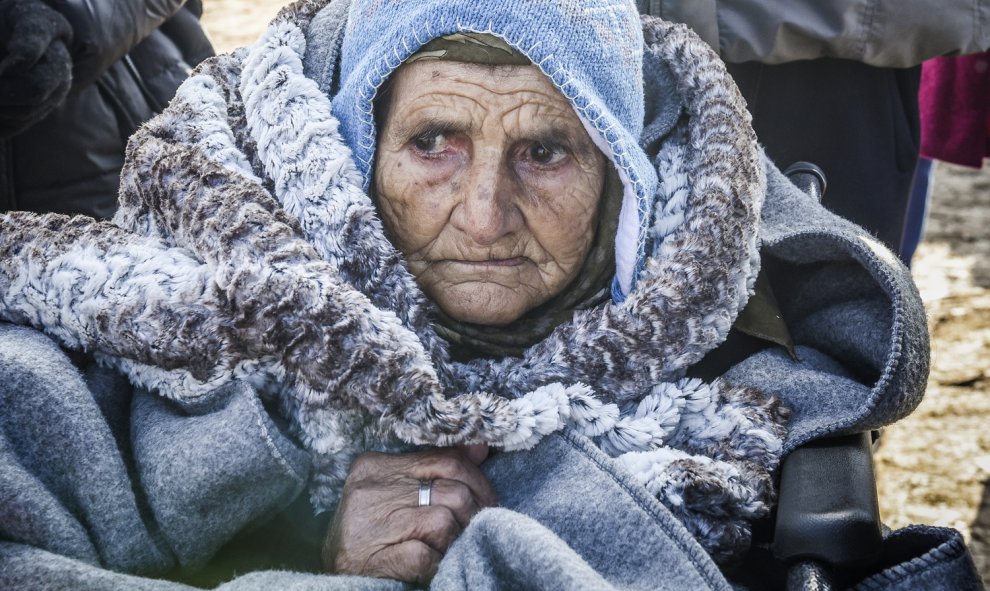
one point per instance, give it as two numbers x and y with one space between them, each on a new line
247 271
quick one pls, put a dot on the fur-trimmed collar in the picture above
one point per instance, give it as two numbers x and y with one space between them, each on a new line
246 249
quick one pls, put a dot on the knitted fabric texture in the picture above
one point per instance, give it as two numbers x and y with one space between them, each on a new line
245 248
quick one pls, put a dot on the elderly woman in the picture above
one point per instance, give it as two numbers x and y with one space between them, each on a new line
389 236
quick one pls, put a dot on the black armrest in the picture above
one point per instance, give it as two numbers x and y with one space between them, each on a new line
828 510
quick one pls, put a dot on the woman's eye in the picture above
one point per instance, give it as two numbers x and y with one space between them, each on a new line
432 143
545 155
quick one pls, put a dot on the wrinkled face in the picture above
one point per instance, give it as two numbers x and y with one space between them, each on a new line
487 181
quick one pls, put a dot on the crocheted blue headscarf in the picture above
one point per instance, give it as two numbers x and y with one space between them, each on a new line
592 50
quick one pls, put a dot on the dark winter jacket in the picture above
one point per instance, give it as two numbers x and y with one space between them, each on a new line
127 59
882 33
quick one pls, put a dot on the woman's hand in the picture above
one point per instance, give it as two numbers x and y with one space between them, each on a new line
380 530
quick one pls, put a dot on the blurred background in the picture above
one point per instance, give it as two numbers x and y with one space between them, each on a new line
933 467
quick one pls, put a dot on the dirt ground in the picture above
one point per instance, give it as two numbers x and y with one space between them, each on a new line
933 467
233 23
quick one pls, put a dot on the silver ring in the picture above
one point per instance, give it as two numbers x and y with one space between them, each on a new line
425 491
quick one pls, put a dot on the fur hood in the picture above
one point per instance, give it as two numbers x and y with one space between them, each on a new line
246 248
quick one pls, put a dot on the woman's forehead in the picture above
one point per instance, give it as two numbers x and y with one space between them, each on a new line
439 85
505 79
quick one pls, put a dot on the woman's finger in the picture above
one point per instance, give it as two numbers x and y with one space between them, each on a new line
477 453
454 464
457 497
356 545
436 526
412 561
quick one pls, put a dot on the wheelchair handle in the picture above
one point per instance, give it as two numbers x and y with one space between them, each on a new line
808 177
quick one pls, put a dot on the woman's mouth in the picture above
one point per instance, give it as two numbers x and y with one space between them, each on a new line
512 262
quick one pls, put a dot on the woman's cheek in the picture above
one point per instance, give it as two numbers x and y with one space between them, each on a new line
568 215
395 189
539 179
568 193
416 206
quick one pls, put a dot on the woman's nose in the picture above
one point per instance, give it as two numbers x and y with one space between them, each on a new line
486 210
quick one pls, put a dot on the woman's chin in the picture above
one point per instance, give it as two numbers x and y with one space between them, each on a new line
484 317
488 305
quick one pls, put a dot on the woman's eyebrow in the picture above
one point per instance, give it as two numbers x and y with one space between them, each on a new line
564 136
553 136
430 125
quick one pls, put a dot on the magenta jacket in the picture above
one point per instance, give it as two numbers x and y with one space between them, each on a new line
955 109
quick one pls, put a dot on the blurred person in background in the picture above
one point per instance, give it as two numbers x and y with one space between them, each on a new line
955 109
955 128
77 78
836 84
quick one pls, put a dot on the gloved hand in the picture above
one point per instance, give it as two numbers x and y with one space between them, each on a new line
35 64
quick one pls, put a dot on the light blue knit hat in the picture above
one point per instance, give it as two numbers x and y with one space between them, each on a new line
592 50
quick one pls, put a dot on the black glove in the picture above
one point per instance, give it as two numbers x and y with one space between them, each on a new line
35 64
